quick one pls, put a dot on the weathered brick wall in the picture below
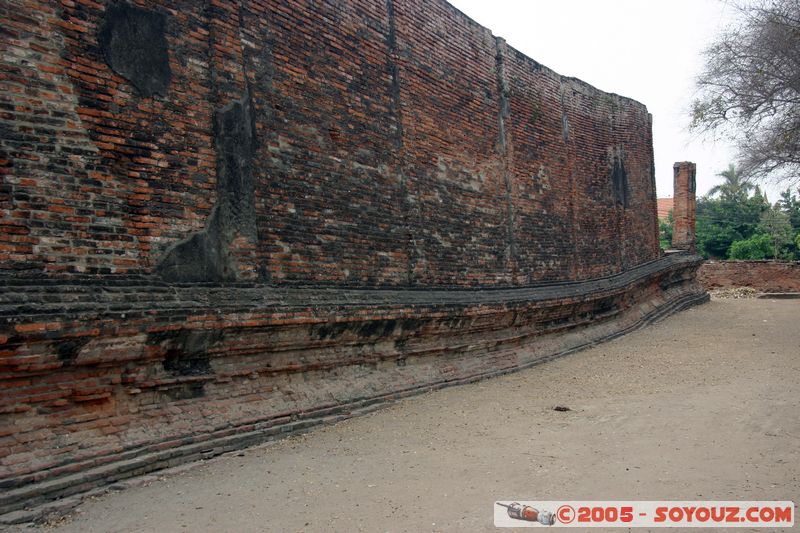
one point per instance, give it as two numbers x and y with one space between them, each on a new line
393 143
763 276
221 244
96 178
102 381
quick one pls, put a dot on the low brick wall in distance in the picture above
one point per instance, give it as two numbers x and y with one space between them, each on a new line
764 276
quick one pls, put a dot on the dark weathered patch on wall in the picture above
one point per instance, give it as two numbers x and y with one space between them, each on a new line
200 257
178 363
68 350
135 47
205 256
619 179
186 351
234 136
366 329
183 391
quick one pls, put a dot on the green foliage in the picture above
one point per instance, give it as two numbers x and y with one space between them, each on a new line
790 204
733 224
665 232
758 246
775 223
721 221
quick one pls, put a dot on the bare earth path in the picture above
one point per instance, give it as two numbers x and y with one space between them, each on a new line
704 405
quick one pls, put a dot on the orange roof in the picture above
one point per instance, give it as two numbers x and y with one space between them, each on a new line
664 207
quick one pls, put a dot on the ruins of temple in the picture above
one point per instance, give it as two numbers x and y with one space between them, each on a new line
222 222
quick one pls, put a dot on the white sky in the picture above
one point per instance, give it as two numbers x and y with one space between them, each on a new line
648 50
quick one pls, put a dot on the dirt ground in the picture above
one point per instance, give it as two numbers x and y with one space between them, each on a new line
702 406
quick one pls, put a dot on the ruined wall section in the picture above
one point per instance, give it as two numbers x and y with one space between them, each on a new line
763 276
452 146
99 180
367 143
179 179
593 151
331 202
542 177
640 217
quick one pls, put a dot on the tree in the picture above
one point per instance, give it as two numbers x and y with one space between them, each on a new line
790 205
776 225
714 229
749 90
665 231
724 220
734 187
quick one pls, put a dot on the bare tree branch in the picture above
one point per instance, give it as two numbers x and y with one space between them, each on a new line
749 90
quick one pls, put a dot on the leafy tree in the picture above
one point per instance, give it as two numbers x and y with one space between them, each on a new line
714 231
758 246
775 224
749 90
790 205
722 221
734 187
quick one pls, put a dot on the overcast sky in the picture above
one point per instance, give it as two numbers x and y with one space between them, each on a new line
648 50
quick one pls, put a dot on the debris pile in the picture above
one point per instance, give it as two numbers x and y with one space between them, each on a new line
735 292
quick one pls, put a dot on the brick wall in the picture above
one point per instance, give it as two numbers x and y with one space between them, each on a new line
763 276
225 243
393 143
102 381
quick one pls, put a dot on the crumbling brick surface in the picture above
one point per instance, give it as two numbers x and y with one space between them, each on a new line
293 211
393 143
106 380
763 276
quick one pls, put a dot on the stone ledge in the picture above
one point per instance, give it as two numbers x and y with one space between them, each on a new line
243 392
143 461
23 299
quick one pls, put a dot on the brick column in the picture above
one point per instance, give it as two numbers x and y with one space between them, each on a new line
683 212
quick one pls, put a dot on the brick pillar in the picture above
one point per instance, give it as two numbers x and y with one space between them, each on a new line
683 211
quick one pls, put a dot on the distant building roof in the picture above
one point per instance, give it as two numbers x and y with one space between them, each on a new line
664 207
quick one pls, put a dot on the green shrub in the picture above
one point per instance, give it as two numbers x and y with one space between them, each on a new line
758 246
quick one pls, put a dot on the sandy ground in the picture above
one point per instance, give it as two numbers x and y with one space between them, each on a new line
702 406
